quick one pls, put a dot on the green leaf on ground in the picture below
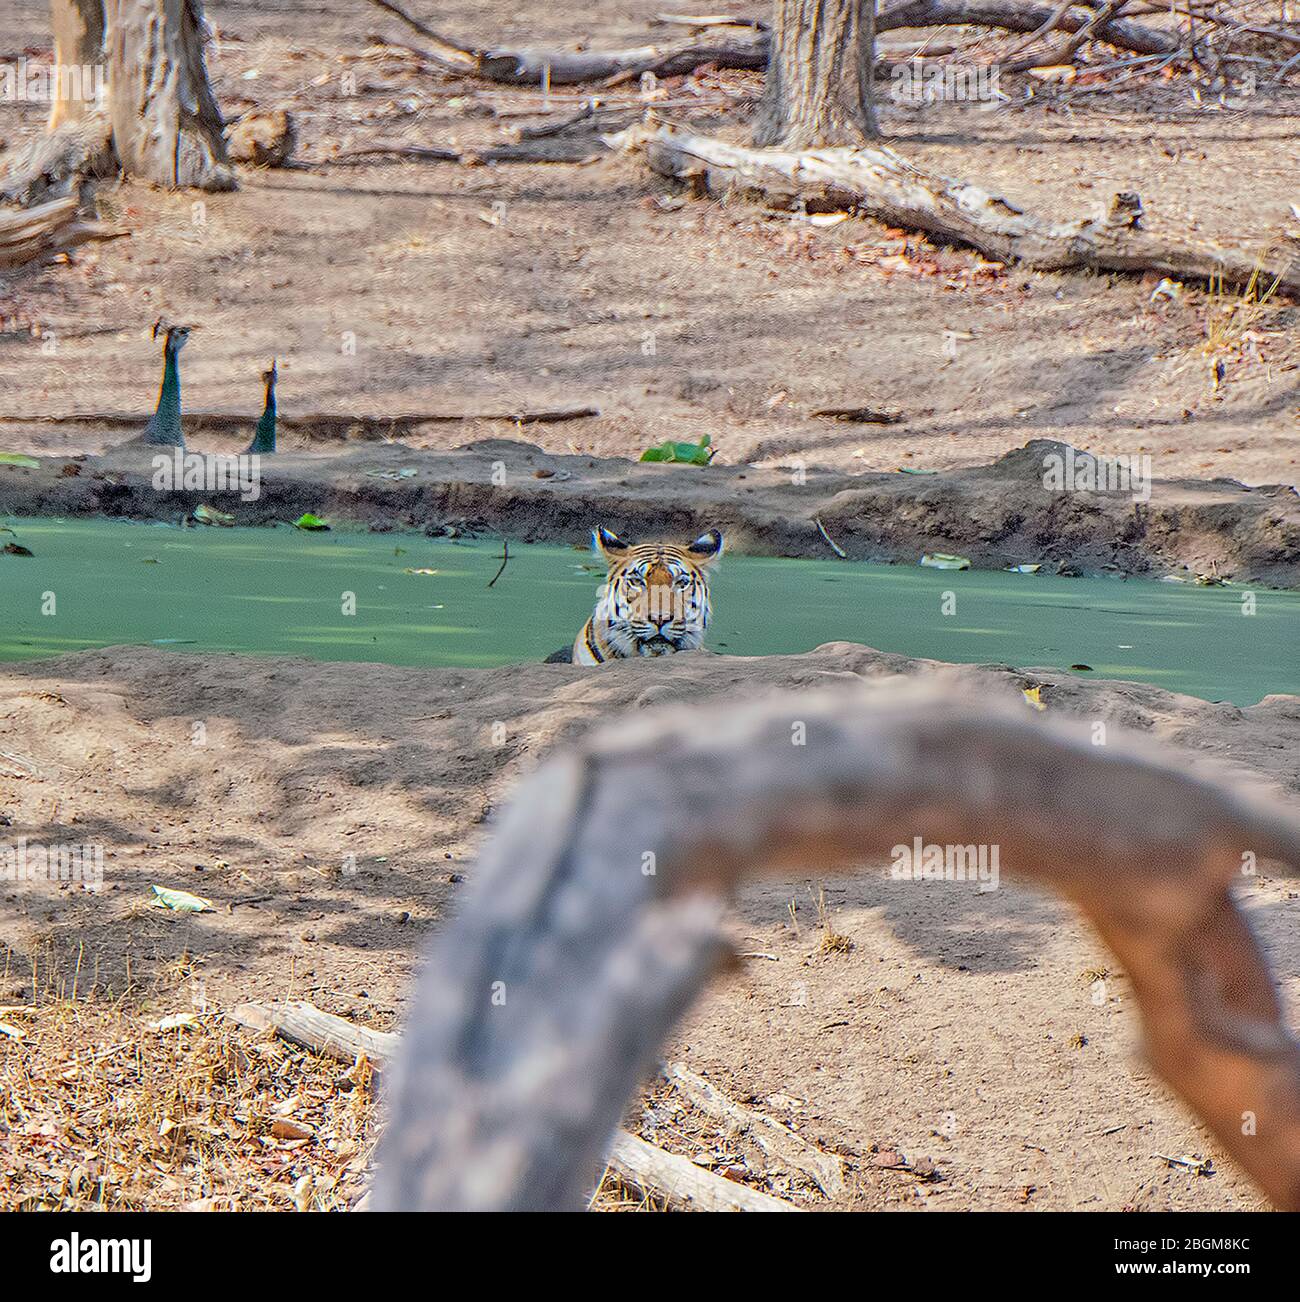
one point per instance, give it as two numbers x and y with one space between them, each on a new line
686 454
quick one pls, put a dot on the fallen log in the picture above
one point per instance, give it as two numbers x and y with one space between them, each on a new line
595 915
675 1179
304 1024
683 1184
572 149
825 1170
861 415
876 182
49 228
572 67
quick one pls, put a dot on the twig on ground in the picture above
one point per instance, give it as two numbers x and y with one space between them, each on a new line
505 560
830 542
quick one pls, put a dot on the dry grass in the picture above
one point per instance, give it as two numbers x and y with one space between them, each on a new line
832 941
107 1106
1234 322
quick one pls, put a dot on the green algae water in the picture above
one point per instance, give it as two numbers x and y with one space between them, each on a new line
283 592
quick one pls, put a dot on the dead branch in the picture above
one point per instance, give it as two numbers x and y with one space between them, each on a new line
446 51
683 1184
1064 52
860 415
1216 19
570 67
505 560
52 227
878 183
304 1024
1014 16
572 149
709 20
316 424
595 916
825 1170
567 67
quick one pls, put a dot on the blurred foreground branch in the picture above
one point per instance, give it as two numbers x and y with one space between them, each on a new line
593 919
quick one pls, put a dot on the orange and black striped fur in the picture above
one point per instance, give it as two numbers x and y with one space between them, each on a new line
655 601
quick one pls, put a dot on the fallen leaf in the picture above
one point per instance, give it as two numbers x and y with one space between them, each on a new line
177 1021
181 901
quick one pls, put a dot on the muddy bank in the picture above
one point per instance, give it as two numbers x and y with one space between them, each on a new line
997 515
331 812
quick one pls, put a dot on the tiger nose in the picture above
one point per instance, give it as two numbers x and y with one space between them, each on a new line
663 606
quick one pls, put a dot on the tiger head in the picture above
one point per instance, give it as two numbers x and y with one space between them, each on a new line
656 598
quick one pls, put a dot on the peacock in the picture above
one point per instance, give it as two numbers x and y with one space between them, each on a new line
164 427
264 438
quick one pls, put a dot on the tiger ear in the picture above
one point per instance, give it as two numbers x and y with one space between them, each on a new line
610 544
707 547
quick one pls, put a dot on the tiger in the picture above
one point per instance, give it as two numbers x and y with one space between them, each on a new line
654 602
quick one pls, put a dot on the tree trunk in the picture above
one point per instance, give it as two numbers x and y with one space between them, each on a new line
167 127
819 75
78 59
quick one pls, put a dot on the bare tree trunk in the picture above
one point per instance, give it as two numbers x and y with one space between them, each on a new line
867 66
167 127
153 115
819 75
78 59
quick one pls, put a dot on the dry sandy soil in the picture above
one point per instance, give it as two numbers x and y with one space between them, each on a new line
510 287
960 1027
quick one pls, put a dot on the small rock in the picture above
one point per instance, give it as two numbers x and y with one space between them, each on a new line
265 139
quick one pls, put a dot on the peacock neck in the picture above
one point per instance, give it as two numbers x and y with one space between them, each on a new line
165 427
170 393
264 438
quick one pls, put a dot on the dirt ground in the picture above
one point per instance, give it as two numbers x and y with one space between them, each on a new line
481 288
959 1027
951 1030
996 515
